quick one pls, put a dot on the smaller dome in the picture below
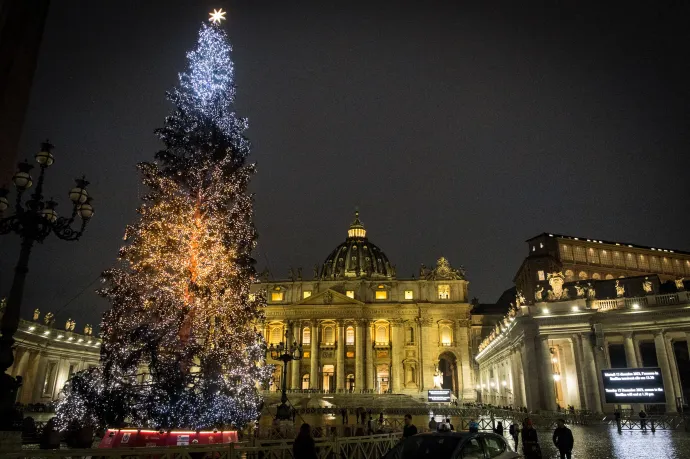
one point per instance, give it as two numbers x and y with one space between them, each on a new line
357 257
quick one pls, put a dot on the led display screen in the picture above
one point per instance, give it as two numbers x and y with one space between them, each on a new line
633 385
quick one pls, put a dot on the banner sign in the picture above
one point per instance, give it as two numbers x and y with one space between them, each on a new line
438 396
633 385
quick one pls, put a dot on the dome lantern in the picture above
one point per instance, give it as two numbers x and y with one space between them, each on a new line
356 228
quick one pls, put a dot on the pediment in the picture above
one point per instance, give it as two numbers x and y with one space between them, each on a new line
329 297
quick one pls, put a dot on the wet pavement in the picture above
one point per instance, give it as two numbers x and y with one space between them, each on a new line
591 442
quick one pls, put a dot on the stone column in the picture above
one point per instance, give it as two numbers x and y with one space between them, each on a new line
530 368
547 389
673 364
340 358
462 342
662 359
295 364
396 355
594 394
370 371
629 346
359 356
314 382
518 392
580 372
602 363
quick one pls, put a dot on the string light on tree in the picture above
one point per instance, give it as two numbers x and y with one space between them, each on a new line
180 348
217 16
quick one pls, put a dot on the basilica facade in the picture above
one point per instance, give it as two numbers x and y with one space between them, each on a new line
364 330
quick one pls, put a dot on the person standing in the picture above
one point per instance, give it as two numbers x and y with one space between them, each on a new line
530 441
409 429
433 426
498 430
304 446
514 432
450 425
563 439
643 420
474 426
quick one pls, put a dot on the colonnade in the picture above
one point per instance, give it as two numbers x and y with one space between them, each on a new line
542 372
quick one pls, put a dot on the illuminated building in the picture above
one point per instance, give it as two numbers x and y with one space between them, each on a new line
364 330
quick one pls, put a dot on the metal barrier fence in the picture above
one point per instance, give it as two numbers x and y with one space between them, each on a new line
369 447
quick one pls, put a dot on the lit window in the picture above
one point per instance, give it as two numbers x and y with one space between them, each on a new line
540 275
350 354
444 292
306 294
566 252
306 335
350 335
580 254
408 295
446 335
381 334
277 296
328 335
381 294
350 294
305 381
276 335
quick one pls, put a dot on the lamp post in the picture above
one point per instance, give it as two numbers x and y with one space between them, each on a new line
285 353
33 221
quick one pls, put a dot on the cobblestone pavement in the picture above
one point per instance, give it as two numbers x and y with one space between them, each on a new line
605 443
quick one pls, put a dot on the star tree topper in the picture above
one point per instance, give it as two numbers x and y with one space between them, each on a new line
217 16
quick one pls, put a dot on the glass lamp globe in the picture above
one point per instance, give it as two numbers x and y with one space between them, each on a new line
4 203
78 194
45 156
49 212
22 179
86 210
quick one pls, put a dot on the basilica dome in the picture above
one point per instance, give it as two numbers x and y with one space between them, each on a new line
357 257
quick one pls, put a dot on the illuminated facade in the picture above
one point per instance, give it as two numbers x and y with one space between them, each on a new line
364 330
46 357
582 259
551 353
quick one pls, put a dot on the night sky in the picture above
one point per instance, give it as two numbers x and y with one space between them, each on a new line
457 130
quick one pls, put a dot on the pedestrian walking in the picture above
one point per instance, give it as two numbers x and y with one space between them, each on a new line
514 431
450 426
498 430
304 446
563 439
643 420
409 429
473 426
530 441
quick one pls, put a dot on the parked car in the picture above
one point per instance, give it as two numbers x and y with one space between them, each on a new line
453 445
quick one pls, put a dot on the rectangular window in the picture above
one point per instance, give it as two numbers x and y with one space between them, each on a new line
643 262
580 254
408 295
306 354
350 354
49 382
306 335
444 292
350 294
630 261
605 257
277 296
381 295
618 259
540 275
566 252
592 256
306 294
654 264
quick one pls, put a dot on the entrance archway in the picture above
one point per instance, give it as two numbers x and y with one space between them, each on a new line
448 369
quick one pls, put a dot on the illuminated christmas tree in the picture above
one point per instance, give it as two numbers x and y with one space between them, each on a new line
180 349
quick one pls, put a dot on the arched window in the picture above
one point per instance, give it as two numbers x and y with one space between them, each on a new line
609 276
381 334
446 335
444 292
276 335
409 338
596 276
328 337
350 335
305 381
306 335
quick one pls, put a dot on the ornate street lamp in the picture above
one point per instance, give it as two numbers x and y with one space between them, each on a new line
33 221
284 353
